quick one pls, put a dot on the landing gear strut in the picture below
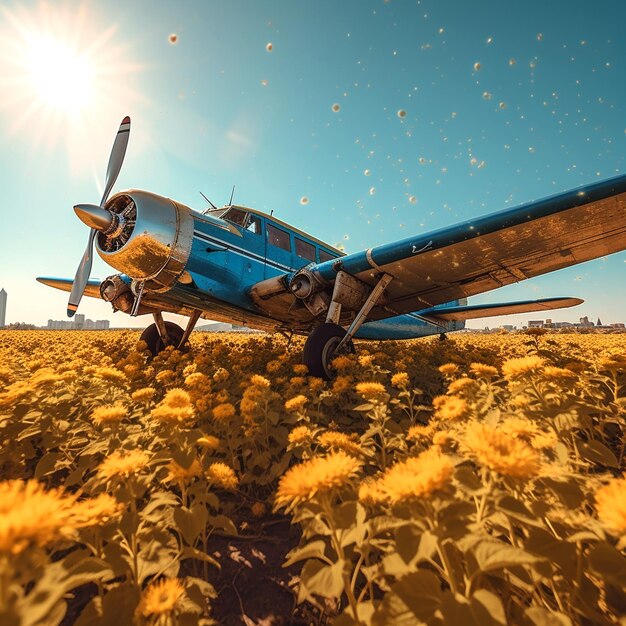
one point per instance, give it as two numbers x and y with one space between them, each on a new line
321 348
162 334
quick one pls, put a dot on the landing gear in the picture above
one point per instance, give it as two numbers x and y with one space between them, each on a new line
442 337
152 337
162 334
321 348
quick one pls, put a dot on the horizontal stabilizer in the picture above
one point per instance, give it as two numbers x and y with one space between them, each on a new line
491 310
92 288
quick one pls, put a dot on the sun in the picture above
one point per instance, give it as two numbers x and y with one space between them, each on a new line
61 78
65 74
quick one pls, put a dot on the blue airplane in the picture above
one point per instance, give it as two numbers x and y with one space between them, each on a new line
240 265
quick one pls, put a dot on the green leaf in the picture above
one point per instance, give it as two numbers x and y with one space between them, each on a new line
606 561
542 617
598 453
321 579
491 555
47 464
411 600
314 550
487 607
563 553
517 510
189 552
567 491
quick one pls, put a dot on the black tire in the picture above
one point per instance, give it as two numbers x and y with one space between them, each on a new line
152 338
442 336
319 349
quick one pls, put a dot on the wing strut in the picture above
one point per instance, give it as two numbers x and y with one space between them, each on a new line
361 316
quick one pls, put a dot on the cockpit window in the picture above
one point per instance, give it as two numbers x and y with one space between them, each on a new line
325 256
254 225
236 216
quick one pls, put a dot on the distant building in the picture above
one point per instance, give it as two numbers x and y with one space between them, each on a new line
3 307
78 323
535 323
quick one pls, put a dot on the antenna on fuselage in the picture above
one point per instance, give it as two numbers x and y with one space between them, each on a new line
232 193
212 205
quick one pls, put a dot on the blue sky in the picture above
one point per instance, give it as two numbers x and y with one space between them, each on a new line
504 103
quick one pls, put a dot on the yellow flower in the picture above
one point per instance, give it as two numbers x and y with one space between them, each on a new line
164 376
342 384
612 362
123 463
443 437
300 369
370 390
333 440
365 360
460 383
273 366
110 374
519 427
97 511
371 493
516 368
449 407
297 403
419 432
30 515
300 434
221 375
223 476
316 476
501 452
341 362
108 415
197 379
209 442
611 505
558 373
482 370
260 381
180 474
175 408
448 369
400 380
417 477
143 395
161 597
45 376
223 412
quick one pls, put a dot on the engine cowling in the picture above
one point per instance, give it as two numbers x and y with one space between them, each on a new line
149 238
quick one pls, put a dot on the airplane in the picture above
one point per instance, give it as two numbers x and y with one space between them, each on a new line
240 265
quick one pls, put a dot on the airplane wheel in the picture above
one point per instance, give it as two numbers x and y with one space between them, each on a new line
152 338
319 349
442 336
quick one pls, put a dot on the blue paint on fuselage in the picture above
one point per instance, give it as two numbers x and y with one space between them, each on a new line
224 266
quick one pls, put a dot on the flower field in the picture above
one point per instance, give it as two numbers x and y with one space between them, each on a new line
473 481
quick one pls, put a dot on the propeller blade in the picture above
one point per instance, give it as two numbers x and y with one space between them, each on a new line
94 216
82 276
117 157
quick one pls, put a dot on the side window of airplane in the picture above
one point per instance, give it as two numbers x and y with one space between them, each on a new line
325 256
305 250
278 238
254 225
236 216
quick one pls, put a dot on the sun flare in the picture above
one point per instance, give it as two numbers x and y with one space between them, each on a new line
63 72
62 78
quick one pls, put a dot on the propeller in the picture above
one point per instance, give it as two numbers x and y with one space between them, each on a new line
96 216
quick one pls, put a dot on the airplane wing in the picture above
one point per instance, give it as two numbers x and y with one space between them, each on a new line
65 284
474 311
492 251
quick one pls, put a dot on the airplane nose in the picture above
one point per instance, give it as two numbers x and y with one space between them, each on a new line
94 216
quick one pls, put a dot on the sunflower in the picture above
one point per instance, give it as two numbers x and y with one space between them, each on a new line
123 463
517 368
370 390
318 475
334 440
223 476
300 435
109 415
297 403
501 452
161 597
611 505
